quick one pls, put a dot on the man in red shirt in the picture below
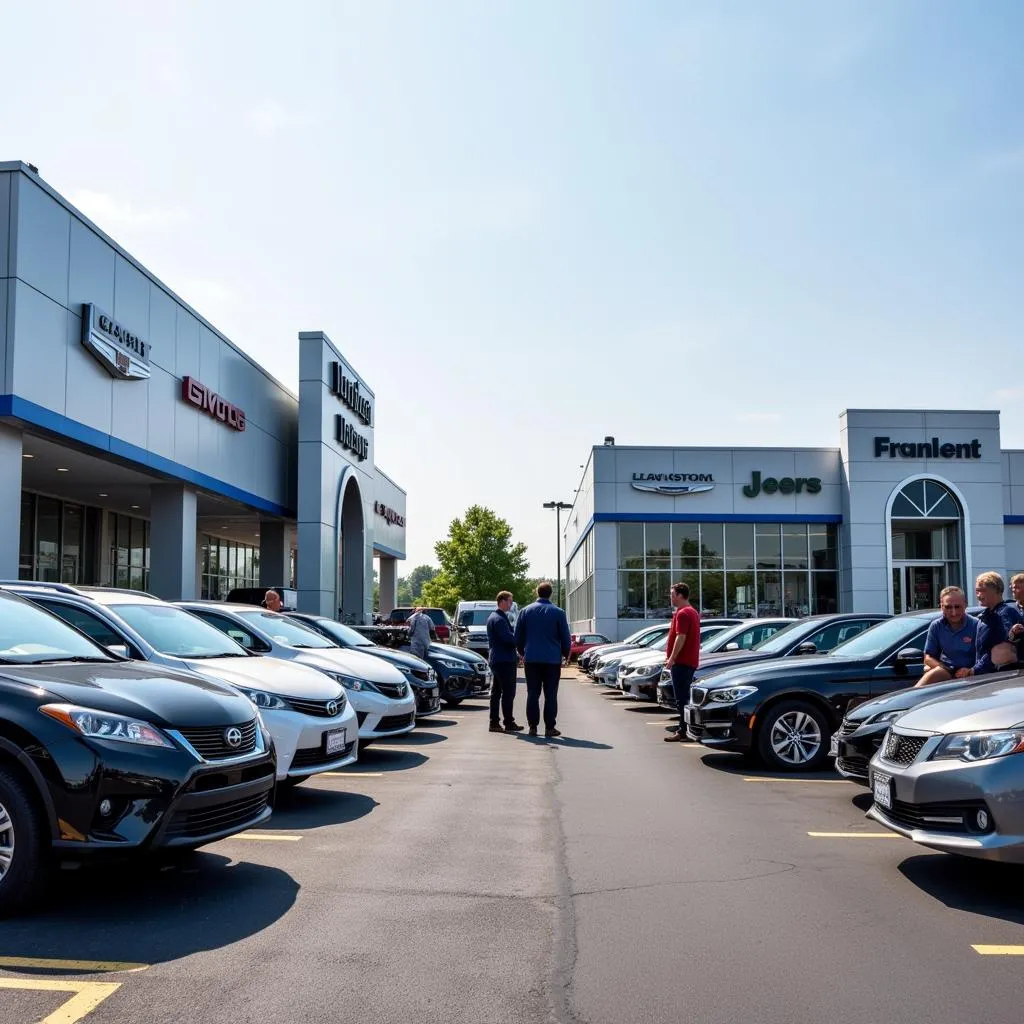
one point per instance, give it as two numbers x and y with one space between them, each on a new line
683 651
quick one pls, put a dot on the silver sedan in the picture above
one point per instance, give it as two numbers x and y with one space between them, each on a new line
950 774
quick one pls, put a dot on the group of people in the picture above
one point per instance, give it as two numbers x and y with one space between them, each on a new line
959 645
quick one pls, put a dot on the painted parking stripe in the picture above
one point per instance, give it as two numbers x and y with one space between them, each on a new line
86 996
76 966
854 835
999 950
805 782
271 839
349 775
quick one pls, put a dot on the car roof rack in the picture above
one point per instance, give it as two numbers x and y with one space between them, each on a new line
59 588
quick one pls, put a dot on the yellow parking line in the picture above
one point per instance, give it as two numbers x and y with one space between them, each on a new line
999 950
272 839
853 835
76 966
87 995
348 775
806 782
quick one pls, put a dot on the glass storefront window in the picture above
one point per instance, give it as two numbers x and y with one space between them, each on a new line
711 546
631 595
71 549
137 543
712 594
740 598
686 539
769 545
823 546
769 592
631 545
739 545
659 604
796 595
48 517
659 545
27 546
825 592
794 546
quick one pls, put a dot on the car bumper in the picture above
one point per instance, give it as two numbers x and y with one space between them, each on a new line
381 716
855 750
639 689
301 741
667 697
428 699
935 803
723 728
469 683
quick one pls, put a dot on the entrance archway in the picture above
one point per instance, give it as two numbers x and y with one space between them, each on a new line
351 546
927 542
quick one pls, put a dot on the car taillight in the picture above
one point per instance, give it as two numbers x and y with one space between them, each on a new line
442 631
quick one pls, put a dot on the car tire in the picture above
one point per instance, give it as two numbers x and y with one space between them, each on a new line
794 737
23 837
453 702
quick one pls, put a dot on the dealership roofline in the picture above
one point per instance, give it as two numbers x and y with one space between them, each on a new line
712 448
937 412
398 487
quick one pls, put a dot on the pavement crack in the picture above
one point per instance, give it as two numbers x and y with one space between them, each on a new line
781 867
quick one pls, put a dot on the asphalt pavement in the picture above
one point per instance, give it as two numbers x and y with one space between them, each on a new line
456 875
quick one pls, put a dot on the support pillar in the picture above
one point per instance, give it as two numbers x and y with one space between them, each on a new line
388 584
10 508
172 570
275 553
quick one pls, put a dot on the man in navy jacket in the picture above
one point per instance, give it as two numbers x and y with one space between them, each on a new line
542 638
501 641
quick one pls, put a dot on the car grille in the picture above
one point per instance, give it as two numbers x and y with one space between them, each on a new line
393 690
218 818
313 757
939 817
211 744
480 669
390 722
317 707
848 728
423 674
903 750
855 767
698 694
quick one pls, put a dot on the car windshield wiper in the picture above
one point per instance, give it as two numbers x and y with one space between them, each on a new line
79 658
218 654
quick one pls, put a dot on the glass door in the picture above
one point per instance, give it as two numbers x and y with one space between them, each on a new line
916 587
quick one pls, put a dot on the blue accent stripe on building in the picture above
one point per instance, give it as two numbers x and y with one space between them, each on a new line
390 552
583 537
710 517
1013 520
62 427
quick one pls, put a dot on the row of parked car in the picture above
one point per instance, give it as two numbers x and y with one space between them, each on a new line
129 724
795 695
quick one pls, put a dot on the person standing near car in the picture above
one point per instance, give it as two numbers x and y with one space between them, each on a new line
683 649
951 647
272 601
1017 631
999 622
542 639
419 632
504 659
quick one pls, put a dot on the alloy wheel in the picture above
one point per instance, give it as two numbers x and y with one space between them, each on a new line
6 842
795 737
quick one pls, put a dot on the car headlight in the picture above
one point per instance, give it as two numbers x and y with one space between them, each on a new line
666 676
730 695
979 746
644 674
884 716
266 701
450 663
352 683
101 726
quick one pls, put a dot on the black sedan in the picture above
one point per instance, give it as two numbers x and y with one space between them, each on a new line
462 673
101 755
785 713
816 634
421 678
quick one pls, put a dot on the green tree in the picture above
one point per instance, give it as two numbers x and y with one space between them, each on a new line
477 560
417 578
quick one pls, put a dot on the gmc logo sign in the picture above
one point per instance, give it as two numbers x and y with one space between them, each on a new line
199 395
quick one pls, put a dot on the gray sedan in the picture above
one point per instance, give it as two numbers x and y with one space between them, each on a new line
950 773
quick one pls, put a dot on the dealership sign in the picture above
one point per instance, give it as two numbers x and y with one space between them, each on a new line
348 437
673 483
781 485
199 395
121 353
346 432
393 517
927 449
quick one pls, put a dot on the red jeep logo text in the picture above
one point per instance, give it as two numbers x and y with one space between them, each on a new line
199 395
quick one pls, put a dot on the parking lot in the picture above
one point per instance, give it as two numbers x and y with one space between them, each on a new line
458 875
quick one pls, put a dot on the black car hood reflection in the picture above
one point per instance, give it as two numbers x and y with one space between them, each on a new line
903 700
162 696
791 667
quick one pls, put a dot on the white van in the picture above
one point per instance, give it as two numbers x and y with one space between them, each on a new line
471 623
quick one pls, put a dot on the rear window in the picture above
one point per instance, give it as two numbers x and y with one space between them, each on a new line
474 617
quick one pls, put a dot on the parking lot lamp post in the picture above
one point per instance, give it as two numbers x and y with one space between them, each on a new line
558 506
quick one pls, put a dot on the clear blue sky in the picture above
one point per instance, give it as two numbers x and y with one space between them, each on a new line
531 224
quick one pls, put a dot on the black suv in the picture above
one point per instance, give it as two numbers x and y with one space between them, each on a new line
101 755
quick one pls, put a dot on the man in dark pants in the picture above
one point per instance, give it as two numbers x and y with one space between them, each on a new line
683 651
501 641
542 638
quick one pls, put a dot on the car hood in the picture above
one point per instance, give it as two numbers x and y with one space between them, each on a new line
400 659
287 678
351 663
602 649
728 659
793 667
167 697
903 700
993 705
458 653
644 657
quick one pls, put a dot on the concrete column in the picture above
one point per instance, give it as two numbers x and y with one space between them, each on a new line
10 508
275 553
172 574
388 584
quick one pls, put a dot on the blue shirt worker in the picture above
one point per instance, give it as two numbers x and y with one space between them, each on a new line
542 638
951 647
504 659
995 649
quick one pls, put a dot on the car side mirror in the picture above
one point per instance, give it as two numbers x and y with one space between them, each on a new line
121 650
807 647
909 655
731 646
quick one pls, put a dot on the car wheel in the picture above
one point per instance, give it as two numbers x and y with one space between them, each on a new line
23 856
453 702
794 736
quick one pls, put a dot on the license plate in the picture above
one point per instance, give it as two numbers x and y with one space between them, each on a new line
688 714
435 692
335 741
881 786
833 747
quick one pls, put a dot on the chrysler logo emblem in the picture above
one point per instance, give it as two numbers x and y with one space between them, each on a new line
233 736
332 708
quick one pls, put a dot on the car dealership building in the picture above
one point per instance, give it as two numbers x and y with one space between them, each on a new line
911 501
150 452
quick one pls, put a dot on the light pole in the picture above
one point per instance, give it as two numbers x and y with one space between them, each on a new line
558 506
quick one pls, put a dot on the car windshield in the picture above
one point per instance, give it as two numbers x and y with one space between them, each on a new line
174 631
730 633
876 640
638 636
794 632
475 617
30 636
654 638
285 631
341 634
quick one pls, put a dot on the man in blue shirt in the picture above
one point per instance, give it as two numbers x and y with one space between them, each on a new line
542 638
995 649
504 659
950 649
